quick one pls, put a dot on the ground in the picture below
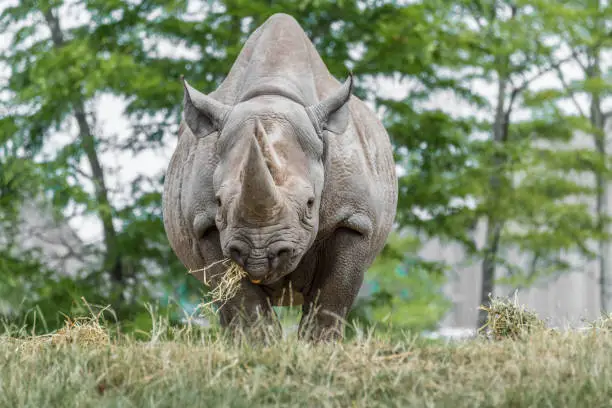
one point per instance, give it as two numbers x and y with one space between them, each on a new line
85 365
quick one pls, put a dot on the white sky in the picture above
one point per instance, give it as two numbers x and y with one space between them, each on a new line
123 166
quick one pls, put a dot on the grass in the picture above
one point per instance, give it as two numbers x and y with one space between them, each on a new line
187 366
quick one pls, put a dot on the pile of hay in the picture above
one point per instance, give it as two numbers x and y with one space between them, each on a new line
228 284
83 331
508 319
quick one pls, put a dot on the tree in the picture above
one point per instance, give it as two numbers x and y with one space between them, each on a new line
59 69
57 73
457 168
583 34
496 164
524 164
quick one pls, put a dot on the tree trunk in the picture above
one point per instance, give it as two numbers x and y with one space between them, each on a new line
488 267
112 262
494 222
113 259
604 248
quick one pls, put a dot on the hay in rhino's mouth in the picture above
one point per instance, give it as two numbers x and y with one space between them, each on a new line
228 285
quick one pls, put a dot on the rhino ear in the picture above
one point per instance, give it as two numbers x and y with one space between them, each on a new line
332 113
203 114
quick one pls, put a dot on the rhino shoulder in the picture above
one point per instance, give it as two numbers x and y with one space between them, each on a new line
358 222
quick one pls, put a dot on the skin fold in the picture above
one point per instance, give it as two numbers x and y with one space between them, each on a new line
286 173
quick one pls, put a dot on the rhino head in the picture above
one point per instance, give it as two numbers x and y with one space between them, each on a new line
269 175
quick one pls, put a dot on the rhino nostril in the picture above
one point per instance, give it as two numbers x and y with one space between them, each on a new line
283 253
238 253
279 254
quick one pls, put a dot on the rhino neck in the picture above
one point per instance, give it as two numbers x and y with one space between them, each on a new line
275 86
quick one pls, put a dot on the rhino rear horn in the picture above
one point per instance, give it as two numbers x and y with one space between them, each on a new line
332 113
269 153
203 114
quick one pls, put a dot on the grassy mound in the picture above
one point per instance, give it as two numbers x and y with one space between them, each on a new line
81 365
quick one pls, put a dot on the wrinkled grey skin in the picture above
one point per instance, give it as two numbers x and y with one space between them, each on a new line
286 173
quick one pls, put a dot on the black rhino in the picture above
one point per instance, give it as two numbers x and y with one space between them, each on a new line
284 171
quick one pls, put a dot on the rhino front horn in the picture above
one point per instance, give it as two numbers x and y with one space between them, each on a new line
258 195
202 113
332 113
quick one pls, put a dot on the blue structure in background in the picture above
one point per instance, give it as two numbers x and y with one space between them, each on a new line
187 302
401 270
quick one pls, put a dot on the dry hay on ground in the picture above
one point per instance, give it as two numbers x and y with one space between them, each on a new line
508 319
81 332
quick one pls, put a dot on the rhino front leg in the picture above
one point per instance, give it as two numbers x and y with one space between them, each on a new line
250 308
339 274
249 312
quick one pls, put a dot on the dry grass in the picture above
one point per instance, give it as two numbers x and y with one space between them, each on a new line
82 331
228 284
191 367
509 319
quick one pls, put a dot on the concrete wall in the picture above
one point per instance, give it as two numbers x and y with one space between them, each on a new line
562 300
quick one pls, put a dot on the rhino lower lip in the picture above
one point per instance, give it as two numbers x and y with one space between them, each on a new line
270 278
273 276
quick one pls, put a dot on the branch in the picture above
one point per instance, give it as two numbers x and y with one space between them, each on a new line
527 82
56 33
575 57
81 172
58 240
514 10
533 267
571 91
543 72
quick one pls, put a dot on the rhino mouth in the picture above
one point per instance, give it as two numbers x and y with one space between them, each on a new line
261 273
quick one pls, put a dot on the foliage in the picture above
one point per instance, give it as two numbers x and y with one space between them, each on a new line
474 138
60 71
405 292
57 73
583 93
501 163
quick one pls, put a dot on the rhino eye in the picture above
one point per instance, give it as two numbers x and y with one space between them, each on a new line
218 200
310 202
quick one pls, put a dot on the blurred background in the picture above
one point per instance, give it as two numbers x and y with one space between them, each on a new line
500 114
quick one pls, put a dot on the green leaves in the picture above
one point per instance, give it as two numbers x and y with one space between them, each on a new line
405 290
512 166
478 136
